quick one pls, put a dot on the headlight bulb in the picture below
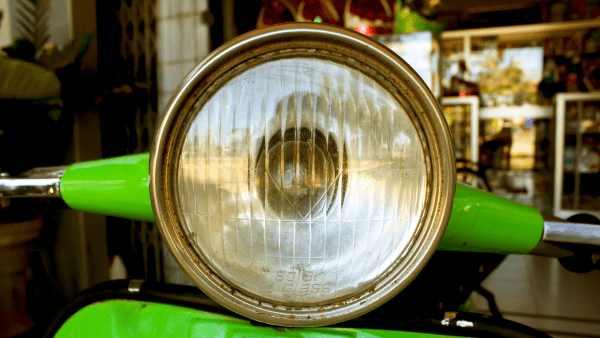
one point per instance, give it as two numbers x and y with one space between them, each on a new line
299 173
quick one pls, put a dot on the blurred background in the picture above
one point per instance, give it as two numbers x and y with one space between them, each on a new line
518 81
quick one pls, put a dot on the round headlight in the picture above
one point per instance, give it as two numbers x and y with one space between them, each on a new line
302 175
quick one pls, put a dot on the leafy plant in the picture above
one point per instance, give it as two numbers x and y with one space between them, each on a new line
21 49
53 58
32 21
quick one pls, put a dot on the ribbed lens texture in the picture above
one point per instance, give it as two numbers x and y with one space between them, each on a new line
301 181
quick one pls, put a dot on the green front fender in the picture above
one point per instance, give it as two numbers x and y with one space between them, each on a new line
130 318
480 222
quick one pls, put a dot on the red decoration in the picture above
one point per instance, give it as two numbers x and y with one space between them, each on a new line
368 17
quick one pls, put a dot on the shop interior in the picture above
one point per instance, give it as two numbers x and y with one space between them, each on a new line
518 82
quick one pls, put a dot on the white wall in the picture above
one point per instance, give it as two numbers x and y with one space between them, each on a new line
183 40
59 22
4 24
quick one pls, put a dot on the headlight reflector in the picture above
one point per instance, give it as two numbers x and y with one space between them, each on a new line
284 212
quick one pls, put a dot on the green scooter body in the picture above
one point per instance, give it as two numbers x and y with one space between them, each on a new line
480 221
120 318
134 308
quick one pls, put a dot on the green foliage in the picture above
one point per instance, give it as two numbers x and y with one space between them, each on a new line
507 82
21 80
53 58
32 21
22 49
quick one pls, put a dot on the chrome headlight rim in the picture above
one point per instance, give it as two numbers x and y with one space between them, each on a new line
312 40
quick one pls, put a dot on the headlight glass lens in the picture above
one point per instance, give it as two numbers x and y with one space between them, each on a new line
300 181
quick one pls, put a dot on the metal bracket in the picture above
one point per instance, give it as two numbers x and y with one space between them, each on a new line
34 183
560 236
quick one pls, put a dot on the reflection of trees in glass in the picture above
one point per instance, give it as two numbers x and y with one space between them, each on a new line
507 83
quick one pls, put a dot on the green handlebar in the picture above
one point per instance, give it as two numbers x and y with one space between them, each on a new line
483 222
116 187
480 221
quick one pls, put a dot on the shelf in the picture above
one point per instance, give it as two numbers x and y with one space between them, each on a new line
578 96
509 112
577 128
460 100
524 32
462 127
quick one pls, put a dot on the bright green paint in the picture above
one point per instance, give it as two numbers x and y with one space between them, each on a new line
116 187
480 221
483 222
127 318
